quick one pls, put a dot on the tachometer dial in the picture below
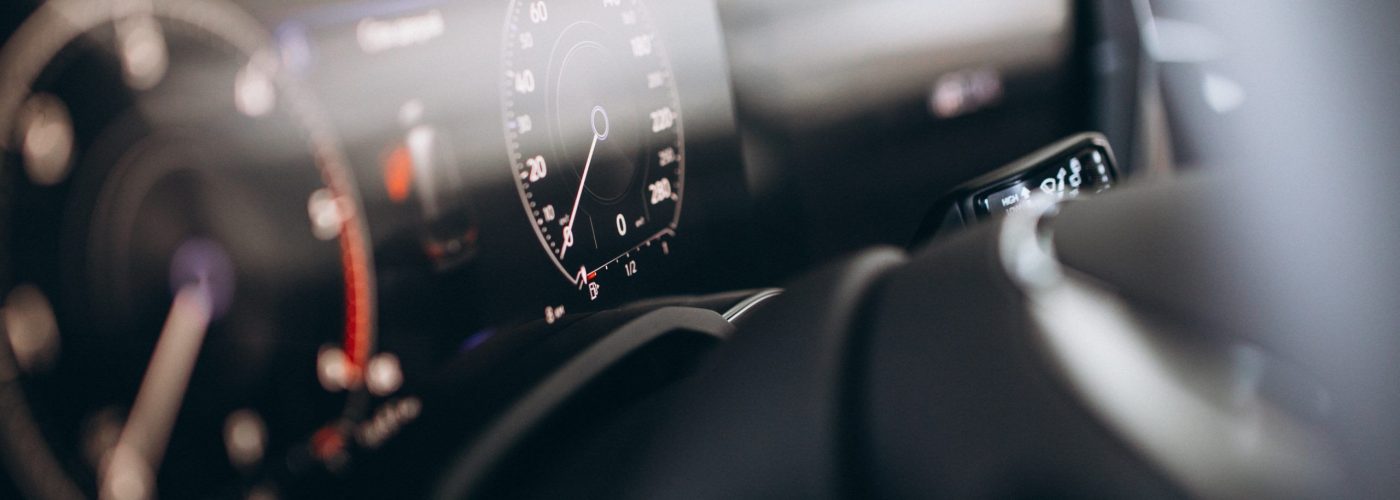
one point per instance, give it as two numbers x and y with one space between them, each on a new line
187 285
593 126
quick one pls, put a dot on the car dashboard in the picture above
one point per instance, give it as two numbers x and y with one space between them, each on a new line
350 208
587 248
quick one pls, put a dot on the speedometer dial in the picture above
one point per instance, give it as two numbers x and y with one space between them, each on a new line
593 127
172 324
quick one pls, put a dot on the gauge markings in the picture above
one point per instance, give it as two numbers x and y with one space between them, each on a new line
593 125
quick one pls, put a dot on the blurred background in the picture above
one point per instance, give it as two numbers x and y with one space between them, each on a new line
698 248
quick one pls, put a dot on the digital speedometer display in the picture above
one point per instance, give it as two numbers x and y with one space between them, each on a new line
593 126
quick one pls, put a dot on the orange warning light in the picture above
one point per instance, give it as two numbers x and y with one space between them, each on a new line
398 173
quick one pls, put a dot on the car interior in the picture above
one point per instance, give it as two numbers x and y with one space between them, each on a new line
265 249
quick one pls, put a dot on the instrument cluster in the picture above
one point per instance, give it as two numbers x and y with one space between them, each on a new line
240 239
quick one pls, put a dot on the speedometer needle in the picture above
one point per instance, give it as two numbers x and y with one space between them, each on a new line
583 178
129 473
